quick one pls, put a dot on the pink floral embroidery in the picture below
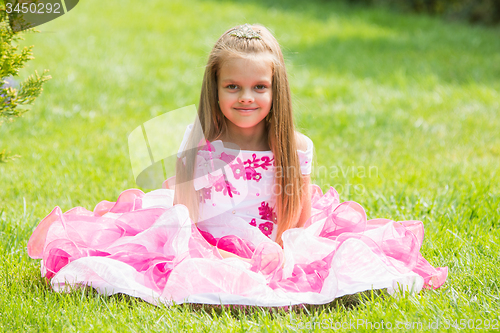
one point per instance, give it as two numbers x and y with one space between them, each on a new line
238 169
266 162
251 165
266 212
226 187
266 228
247 169
208 146
250 173
226 157
219 185
253 222
206 194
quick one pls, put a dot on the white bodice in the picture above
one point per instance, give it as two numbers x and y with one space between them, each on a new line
240 184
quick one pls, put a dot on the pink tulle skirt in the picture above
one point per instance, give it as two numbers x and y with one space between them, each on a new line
144 246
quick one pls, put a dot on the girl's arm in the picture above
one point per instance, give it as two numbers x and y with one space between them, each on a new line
305 202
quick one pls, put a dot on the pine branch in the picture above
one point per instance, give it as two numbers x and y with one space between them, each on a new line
12 60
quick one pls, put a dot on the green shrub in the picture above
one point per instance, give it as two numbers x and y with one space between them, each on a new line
475 11
13 100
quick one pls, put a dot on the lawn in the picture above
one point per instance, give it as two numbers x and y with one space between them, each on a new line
403 111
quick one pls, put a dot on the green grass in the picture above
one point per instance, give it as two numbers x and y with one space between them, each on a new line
413 97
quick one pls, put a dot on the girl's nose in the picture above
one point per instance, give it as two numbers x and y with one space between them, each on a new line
246 96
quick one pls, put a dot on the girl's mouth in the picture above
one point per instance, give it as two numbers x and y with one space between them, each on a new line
245 110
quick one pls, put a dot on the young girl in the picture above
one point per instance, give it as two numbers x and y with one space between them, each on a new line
243 224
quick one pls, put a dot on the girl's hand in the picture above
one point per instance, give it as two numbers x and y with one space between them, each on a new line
265 262
226 254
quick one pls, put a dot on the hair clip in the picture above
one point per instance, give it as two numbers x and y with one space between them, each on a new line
245 31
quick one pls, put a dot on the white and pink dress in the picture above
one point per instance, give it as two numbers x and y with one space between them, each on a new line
144 246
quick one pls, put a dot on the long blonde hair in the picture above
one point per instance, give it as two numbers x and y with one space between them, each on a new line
280 127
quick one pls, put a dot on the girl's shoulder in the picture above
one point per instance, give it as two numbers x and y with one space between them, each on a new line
303 142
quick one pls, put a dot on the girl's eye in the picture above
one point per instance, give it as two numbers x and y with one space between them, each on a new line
260 87
231 86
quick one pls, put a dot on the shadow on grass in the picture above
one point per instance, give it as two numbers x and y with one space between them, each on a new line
382 45
347 302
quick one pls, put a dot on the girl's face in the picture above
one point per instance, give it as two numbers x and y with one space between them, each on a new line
245 90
